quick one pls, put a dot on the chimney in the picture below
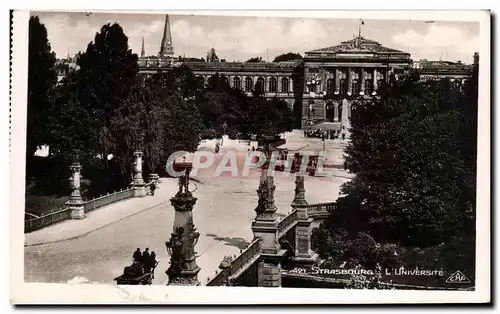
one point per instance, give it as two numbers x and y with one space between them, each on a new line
476 58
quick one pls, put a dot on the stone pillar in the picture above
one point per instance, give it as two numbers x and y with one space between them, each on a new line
290 85
265 226
303 253
362 80
337 81
336 112
375 82
75 202
300 192
138 182
183 269
349 81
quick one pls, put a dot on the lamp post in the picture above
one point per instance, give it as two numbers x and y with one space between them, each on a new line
183 269
75 202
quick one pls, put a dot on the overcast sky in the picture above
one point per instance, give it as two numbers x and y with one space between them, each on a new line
240 38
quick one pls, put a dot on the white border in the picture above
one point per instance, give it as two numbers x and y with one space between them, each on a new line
23 293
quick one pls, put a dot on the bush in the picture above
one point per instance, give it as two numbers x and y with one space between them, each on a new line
364 249
43 205
329 245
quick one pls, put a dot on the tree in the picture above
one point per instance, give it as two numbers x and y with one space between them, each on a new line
42 77
289 56
212 56
406 152
255 59
108 71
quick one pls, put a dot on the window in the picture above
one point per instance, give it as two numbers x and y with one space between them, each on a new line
225 79
380 83
237 83
273 85
342 87
355 87
368 87
248 84
285 86
260 82
457 86
330 87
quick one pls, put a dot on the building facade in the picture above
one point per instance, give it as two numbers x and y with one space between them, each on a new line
322 87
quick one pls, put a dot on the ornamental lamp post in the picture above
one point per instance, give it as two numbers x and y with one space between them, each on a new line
183 269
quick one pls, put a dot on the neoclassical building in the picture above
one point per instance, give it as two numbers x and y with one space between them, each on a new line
337 77
324 86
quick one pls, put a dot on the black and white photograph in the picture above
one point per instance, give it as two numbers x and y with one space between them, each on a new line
321 155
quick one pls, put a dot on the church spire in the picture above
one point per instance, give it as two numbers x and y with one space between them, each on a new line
143 52
166 48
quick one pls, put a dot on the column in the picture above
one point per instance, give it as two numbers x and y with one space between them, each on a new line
300 192
75 202
138 182
265 226
290 82
349 81
362 80
337 81
335 112
183 269
375 82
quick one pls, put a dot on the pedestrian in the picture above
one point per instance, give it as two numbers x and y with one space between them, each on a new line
137 255
153 188
343 136
152 263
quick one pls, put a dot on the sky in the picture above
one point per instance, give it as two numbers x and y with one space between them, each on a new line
237 38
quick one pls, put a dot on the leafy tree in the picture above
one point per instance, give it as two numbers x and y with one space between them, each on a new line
108 71
408 153
212 56
255 59
289 56
42 77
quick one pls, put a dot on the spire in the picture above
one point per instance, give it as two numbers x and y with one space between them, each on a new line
143 52
67 57
166 42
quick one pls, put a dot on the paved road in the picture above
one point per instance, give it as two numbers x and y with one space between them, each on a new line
223 215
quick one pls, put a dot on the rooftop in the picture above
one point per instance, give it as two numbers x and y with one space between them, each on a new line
357 44
199 65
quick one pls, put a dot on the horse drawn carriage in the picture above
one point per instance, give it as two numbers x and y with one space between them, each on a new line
136 275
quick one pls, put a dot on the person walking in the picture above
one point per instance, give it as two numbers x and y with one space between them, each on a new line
153 188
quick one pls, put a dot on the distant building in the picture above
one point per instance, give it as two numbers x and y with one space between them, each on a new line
323 87
65 66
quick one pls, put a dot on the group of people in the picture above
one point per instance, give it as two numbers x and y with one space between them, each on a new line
146 259
326 134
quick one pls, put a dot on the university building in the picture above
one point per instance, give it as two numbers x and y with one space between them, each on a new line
324 86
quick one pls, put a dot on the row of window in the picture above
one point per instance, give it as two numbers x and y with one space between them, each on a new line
355 86
273 84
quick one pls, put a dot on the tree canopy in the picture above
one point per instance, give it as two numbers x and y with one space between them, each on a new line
411 150
289 56
255 59
42 77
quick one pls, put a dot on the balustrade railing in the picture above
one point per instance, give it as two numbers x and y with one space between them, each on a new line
252 251
321 208
104 200
46 220
284 223
34 224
